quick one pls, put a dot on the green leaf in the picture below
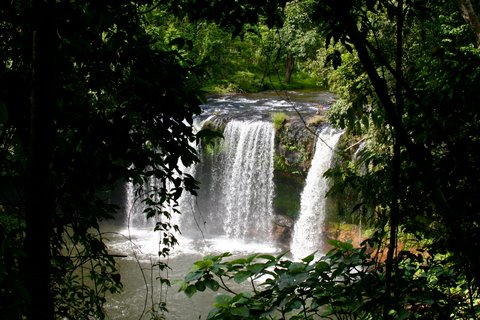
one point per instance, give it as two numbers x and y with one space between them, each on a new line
251 257
200 286
192 276
287 280
190 291
212 284
206 263
241 276
309 258
240 261
322 266
256 267
266 257
403 314
296 304
241 312
213 313
296 267
222 300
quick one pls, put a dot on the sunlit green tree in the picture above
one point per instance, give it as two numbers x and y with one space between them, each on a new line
299 35
406 74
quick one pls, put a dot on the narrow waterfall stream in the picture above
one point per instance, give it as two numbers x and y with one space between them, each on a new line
308 231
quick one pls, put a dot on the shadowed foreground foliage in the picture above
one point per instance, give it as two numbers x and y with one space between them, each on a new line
94 94
346 283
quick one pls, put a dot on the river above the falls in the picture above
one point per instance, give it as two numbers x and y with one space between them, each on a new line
260 106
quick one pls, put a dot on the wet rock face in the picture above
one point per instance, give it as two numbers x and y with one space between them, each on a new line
294 144
217 123
294 148
282 229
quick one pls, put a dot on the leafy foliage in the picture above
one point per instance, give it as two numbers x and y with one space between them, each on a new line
230 14
408 171
424 120
405 73
279 119
346 283
123 113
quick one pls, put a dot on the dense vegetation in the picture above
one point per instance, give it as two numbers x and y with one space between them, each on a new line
87 103
405 73
94 94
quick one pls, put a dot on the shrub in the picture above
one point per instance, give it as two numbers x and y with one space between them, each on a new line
279 119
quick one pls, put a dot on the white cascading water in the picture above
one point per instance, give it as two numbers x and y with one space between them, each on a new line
236 186
135 206
250 186
232 212
139 230
307 233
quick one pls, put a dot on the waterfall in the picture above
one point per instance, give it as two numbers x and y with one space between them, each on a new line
135 205
236 185
307 233
136 196
250 184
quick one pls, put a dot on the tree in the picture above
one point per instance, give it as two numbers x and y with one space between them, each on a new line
38 190
397 96
110 103
406 78
298 34
468 13
107 107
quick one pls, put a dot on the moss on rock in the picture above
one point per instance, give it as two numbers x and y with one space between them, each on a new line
294 145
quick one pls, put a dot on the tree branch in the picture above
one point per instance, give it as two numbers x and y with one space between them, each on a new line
468 13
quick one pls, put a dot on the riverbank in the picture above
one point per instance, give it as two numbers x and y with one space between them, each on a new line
258 83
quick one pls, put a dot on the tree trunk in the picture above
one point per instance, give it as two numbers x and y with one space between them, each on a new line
289 67
419 153
39 197
468 13
396 166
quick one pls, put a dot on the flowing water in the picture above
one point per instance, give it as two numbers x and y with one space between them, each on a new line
235 197
233 211
140 277
308 231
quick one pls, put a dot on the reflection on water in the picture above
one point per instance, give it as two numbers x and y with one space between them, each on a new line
141 289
